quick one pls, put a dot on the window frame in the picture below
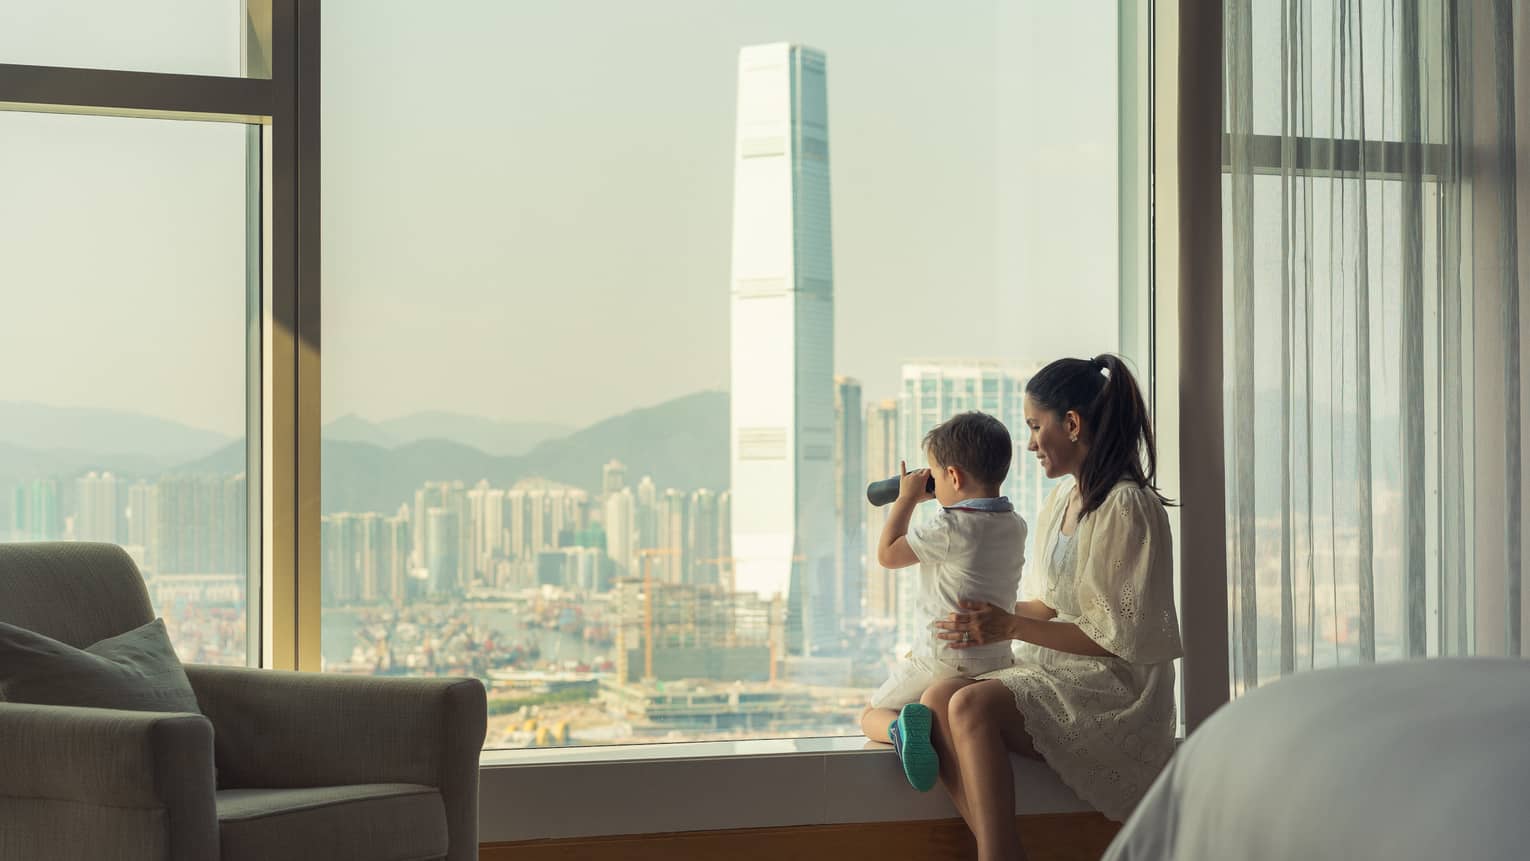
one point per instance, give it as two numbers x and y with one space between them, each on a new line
278 99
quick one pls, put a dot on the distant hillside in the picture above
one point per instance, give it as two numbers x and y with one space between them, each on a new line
19 463
83 430
354 428
681 443
488 435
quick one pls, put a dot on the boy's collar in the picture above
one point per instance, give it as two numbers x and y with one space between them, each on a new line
990 503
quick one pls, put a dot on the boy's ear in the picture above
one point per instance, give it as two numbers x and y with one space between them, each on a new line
956 477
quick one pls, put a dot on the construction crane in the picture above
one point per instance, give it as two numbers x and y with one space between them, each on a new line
648 554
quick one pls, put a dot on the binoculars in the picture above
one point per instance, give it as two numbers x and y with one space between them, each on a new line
880 493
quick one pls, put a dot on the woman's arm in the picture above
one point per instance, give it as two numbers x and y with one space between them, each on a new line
1035 610
978 624
1059 637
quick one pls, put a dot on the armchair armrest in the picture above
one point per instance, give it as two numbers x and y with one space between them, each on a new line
286 729
81 782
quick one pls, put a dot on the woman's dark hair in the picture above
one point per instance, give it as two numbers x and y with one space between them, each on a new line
1105 395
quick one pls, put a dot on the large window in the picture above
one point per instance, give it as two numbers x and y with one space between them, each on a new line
123 259
1372 374
625 303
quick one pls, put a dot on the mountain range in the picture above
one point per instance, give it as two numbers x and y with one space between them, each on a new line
82 437
682 443
487 435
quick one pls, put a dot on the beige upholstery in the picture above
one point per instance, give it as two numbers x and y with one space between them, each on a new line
310 766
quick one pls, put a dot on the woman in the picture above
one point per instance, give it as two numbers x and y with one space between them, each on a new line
1092 689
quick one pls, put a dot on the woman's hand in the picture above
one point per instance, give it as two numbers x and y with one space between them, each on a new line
977 624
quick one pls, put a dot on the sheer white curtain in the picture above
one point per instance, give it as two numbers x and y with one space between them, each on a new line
1374 211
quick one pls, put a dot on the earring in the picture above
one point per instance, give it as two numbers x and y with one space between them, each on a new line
1073 439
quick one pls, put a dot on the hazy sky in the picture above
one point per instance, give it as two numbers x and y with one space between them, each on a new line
527 207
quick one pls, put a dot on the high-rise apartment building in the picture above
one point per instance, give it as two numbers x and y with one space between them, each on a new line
35 512
646 515
98 508
725 539
486 506
701 557
443 529
782 407
200 525
143 520
396 576
620 531
671 567
934 391
881 462
849 500
613 477
451 497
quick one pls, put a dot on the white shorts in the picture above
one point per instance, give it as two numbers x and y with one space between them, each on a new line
914 674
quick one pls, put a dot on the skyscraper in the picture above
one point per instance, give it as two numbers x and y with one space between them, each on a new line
725 539
450 497
702 560
849 499
881 462
340 572
443 530
613 477
200 524
782 421
98 508
934 391
143 520
397 571
620 531
646 515
487 510
671 567
35 511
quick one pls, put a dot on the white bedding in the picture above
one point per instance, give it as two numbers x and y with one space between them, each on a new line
1423 759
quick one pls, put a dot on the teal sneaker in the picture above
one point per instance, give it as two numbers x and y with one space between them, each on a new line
910 735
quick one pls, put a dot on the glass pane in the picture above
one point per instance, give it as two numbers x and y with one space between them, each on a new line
122 407
535 312
187 37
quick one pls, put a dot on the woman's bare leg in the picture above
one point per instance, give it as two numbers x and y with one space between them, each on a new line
938 698
874 723
986 726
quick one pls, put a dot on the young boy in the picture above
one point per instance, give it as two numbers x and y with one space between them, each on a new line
973 549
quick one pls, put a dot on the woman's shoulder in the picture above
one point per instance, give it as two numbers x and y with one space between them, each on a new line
1134 500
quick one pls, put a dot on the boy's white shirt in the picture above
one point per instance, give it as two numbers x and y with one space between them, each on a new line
967 555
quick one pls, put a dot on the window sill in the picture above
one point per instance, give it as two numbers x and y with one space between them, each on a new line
701 786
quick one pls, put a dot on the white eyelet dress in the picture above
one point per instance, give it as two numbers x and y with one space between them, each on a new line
1105 725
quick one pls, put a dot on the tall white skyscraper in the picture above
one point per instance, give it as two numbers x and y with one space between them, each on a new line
782 424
